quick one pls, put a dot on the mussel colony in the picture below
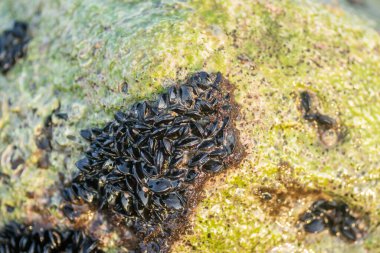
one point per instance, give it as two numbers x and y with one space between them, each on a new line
13 45
146 164
334 216
15 237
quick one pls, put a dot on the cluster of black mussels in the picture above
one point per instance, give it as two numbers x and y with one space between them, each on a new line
146 164
13 45
332 215
15 237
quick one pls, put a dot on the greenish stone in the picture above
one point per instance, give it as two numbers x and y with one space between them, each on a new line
83 54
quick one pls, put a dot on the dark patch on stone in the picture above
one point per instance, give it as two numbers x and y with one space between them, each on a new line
334 216
15 237
13 45
330 130
146 168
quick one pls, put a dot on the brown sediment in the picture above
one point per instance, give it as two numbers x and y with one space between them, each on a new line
279 200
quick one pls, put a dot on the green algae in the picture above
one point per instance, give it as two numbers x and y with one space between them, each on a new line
83 52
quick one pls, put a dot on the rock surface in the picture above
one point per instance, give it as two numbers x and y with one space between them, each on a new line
89 58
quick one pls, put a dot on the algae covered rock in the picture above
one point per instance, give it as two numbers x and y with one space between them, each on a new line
88 59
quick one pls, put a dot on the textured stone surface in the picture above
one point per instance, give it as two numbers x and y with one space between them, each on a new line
89 58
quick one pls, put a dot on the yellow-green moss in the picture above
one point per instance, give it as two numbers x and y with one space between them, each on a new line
83 51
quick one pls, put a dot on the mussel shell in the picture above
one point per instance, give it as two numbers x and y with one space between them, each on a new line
314 226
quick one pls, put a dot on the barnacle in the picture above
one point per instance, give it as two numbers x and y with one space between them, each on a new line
13 45
146 165
334 216
15 237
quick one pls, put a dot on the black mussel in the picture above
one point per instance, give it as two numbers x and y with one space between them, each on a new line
173 201
324 121
147 157
160 186
186 95
120 117
176 159
198 130
163 119
306 101
86 134
307 216
69 212
195 114
188 142
222 152
16 237
126 202
314 226
159 160
175 173
230 143
191 176
200 80
207 144
143 196
153 247
198 160
334 216
167 145
173 132
13 45
213 166
163 101
83 165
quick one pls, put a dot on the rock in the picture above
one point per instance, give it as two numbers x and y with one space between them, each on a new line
82 52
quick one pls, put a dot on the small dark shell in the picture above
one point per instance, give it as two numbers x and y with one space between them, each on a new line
69 212
120 117
307 216
186 96
62 115
126 202
314 226
191 175
348 232
325 121
306 101
168 145
160 186
143 196
86 134
188 142
213 166
207 144
83 165
173 201
335 215
199 159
